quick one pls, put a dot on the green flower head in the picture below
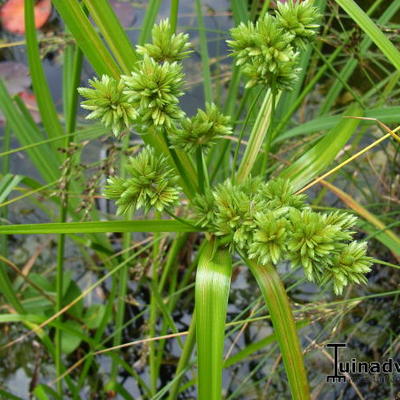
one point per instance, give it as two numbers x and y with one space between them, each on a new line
271 224
202 130
265 54
166 46
299 19
314 241
108 103
350 266
279 193
150 182
270 237
154 90
204 209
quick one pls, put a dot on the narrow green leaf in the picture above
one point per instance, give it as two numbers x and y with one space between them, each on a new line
8 395
257 137
388 115
44 392
80 136
113 32
315 160
48 112
211 294
351 64
284 326
370 28
43 159
7 184
149 19
161 225
87 38
173 14
183 359
205 61
256 346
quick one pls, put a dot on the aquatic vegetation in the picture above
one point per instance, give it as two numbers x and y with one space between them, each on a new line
184 200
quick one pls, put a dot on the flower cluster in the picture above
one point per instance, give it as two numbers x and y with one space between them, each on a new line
108 102
267 51
166 46
202 130
154 90
270 224
299 19
149 96
150 182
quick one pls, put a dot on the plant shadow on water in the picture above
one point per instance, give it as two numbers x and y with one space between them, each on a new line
369 326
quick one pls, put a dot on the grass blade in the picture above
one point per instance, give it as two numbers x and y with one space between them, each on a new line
48 112
211 294
257 137
387 115
114 34
160 225
284 326
384 235
205 61
370 28
315 160
256 346
149 20
87 38
44 159
173 14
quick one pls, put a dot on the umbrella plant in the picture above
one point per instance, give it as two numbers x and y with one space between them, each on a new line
195 173
255 216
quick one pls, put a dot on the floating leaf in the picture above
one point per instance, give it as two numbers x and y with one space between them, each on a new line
12 15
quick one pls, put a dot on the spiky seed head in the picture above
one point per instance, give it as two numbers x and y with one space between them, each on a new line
279 193
350 266
154 89
269 241
166 45
202 130
265 54
150 183
299 19
107 102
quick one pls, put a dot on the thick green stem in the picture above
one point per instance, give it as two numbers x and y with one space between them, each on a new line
153 346
184 358
173 14
257 137
211 299
284 326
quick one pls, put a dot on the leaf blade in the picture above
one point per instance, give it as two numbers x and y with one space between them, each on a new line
211 293
162 225
284 326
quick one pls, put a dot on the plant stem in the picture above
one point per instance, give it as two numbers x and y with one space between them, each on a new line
173 14
257 137
184 358
249 112
284 326
153 317
211 298
200 169
122 278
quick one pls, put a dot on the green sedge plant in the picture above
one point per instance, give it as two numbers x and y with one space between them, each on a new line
255 216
